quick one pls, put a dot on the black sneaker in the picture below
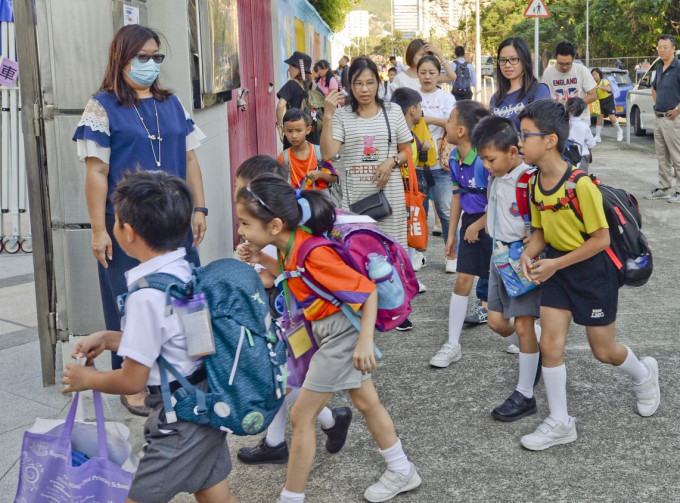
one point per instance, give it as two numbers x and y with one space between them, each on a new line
263 453
405 325
337 434
515 407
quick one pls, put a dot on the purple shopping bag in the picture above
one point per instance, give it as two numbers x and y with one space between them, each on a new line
46 473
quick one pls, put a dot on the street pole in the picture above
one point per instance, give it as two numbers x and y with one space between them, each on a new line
478 52
588 33
536 55
392 28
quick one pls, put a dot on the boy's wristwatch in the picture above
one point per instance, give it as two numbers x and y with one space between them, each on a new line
201 209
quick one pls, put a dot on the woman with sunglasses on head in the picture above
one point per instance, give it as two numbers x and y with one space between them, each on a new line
517 86
131 124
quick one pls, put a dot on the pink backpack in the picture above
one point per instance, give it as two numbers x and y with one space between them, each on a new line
354 242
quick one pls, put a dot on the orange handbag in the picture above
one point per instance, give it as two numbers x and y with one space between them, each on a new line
417 219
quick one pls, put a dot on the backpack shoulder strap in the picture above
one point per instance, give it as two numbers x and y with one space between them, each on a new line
569 198
171 285
286 158
318 155
522 195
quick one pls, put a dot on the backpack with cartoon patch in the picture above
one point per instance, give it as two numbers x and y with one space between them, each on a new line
246 374
628 248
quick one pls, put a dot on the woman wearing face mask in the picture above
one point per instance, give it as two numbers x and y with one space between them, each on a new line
133 123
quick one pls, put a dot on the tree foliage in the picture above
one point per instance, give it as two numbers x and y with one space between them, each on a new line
333 12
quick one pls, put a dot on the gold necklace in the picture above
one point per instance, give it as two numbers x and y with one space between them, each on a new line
153 137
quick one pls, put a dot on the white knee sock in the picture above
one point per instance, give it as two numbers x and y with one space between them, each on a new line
396 459
555 381
291 497
634 368
528 362
513 339
457 310
598 130
326 418
617 125
276 433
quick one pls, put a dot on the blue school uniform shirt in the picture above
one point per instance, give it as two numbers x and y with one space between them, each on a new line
511 106
469 173
120 130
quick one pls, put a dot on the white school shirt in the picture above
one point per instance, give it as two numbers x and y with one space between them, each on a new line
574 84
404 80
147 331
437 104
580 132
503 199
269 250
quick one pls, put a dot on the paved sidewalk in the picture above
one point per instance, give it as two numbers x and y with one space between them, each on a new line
442 416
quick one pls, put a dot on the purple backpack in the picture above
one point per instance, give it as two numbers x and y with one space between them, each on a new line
354 242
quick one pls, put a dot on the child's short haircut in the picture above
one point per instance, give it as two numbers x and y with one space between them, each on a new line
259 165
406 97
575 106
550 117
294 115
470 113
392 70
496 132
157 206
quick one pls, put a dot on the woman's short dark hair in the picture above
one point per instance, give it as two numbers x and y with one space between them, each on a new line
565 48
429 59
497 132
598 71
576 106
406 98
157 206
126 44
549 117
469 113
524 55
413 47
356 68
259 165
281 202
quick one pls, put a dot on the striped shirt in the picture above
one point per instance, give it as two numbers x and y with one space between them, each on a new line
365 146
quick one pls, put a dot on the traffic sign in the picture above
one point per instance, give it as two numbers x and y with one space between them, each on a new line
537 8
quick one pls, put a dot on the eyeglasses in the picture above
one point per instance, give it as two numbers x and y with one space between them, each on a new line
505 61
663 47
157 58
259 200
369 85
563 65
522 135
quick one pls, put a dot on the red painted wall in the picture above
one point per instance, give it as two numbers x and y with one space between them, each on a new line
253 131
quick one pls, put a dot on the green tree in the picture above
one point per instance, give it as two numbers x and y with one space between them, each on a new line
333 12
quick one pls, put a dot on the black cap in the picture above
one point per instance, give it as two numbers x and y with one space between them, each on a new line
295 61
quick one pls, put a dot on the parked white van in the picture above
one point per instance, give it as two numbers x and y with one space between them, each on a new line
642 116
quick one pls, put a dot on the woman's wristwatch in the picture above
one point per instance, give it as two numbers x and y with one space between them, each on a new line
201 209
397 162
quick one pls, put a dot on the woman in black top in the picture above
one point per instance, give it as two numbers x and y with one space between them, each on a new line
294 90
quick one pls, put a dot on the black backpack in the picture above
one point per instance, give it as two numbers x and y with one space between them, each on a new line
462 84
628 248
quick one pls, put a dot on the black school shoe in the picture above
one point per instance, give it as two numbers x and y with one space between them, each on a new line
405 326
337 434
515 407
262 453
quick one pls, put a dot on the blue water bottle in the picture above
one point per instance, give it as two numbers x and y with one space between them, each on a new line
387 281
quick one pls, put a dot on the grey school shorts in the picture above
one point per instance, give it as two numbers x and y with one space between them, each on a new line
332 367
528 304
178 457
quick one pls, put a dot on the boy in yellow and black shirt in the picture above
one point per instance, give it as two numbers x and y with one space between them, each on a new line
577 278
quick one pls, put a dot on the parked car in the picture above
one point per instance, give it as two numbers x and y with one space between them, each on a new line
642 118
625 84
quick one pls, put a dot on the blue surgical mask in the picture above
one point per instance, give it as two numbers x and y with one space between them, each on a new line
144 74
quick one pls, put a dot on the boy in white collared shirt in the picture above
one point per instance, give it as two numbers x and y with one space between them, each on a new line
496 141
153 213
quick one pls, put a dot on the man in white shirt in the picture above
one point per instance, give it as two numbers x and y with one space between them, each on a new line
396 64
568 80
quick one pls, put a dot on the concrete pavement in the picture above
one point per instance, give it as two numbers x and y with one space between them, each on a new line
442 416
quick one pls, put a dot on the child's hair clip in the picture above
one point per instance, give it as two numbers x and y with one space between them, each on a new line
306 209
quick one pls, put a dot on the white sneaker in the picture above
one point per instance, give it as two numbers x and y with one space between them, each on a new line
598 138
550 433
648 393
619 135
418 261
446 355
451 265
421 288
512 349
392 483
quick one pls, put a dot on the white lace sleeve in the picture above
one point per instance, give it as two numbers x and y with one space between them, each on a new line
196 136
95 117
90 148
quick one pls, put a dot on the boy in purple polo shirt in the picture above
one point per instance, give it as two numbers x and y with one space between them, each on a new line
470 179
